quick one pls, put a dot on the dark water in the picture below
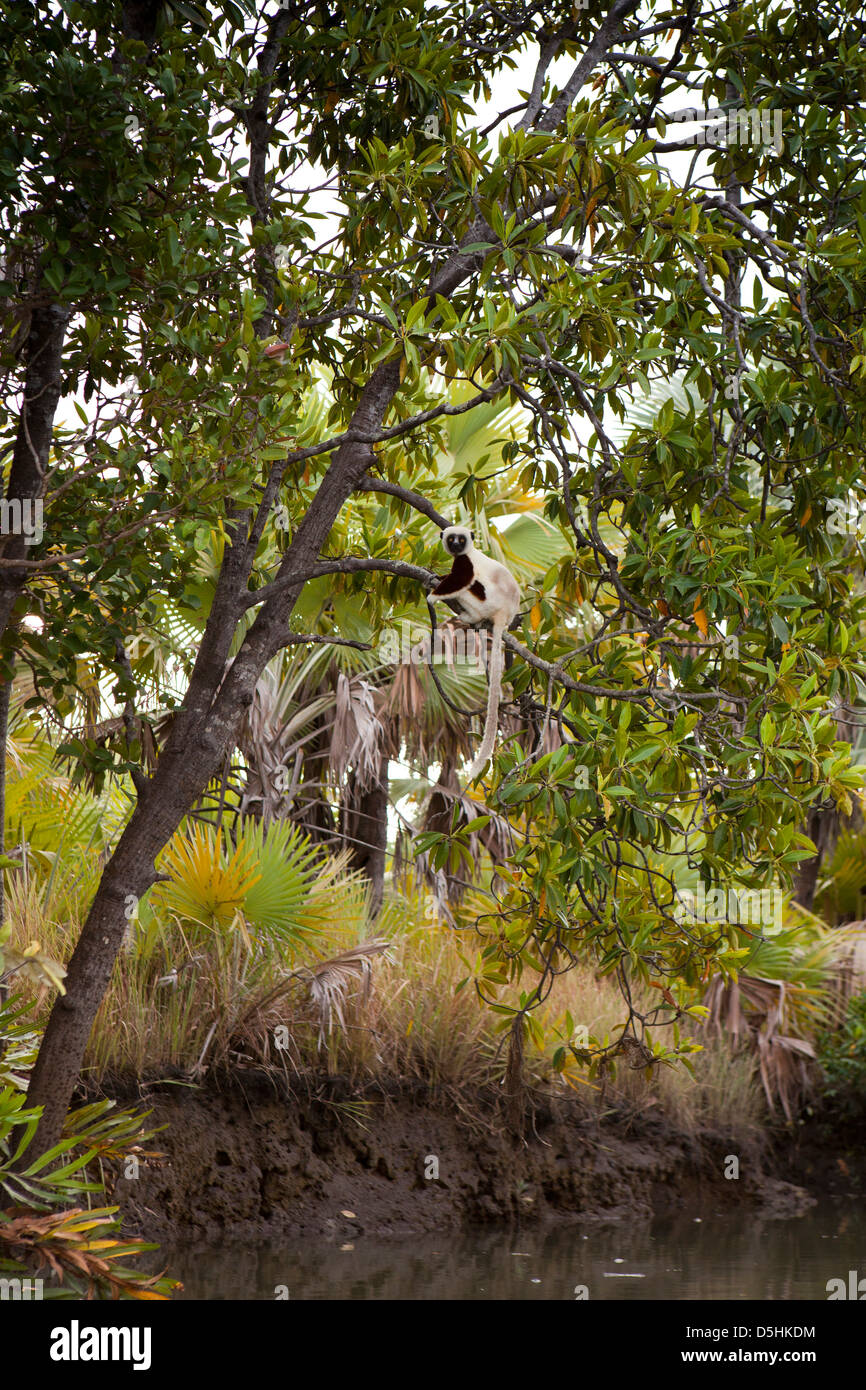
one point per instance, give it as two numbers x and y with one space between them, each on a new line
739 1257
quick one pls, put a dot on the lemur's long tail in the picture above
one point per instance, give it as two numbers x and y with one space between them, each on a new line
494 692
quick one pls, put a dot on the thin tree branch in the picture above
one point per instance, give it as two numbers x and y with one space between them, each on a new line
295 637
346 564
368 483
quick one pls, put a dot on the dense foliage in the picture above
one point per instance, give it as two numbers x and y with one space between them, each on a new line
297 369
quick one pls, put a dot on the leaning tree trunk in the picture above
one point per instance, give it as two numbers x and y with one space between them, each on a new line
203 729
207 721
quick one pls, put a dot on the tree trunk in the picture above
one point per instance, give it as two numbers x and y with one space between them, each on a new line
364 827
822 827
824 823
42 381
202 731
208 719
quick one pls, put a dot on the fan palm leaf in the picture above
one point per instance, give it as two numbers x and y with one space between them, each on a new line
208 882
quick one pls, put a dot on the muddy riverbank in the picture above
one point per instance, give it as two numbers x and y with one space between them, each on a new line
245 1161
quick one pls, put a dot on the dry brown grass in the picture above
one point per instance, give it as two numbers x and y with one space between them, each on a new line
723 1093
414 1024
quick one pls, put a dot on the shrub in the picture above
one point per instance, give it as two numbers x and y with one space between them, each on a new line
842 1054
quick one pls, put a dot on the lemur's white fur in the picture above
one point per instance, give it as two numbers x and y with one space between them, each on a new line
485 592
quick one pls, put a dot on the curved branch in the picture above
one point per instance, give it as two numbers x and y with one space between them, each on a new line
368 483
300 637
347 564
352 564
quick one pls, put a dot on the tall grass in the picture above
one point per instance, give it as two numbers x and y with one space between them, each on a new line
722 1094
179 1006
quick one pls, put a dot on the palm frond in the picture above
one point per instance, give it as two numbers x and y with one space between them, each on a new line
358 732
331 980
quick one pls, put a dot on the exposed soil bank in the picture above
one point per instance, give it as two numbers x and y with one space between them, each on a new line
243 1162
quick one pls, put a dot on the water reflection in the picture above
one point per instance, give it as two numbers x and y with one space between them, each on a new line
677 1258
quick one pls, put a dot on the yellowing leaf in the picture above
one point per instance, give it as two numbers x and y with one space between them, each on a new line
36 965
591 220
466 160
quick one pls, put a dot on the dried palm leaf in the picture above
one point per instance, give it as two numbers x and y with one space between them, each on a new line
330 982
756 1011
849 975
358 733
281 724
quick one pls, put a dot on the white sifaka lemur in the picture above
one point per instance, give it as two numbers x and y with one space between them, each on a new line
483 591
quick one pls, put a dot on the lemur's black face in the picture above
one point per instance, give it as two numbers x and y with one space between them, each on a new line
456 539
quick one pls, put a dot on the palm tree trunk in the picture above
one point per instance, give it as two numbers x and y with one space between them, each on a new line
364 826
821 826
